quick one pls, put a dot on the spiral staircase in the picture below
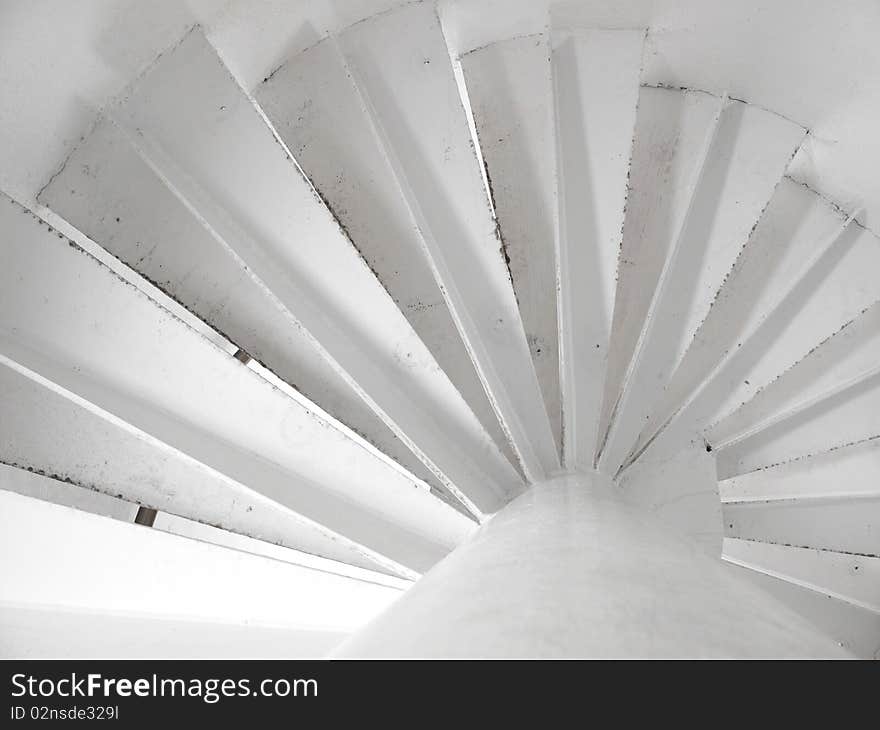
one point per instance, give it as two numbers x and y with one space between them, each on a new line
319 333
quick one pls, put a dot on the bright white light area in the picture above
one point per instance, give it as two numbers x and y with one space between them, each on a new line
55 557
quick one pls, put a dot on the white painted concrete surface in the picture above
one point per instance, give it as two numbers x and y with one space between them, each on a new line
746 156
78 329
108 191
718 302
59 435
797 57
52 633
671 127
844 524
850 471
65 493
596 77
400 62
213 146
788 243
31 484
317 110
856 629
681 491
842 287
847 358
641 591
851 578
510 89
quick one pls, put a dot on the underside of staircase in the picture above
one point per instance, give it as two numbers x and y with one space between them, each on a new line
270 353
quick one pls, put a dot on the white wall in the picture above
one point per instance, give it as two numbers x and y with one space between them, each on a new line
815 62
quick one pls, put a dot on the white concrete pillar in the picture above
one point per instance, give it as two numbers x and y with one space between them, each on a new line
570 570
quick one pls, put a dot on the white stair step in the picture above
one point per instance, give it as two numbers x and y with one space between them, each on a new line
176 525
596 90
401 65
108 191
854 628
67 318
746 156
670 134
60 436
851 578
794 232
316 109
851 471
845 524
821 303
848 356
216 150
510 90
66 493
849 287
753 149
846 417
110 567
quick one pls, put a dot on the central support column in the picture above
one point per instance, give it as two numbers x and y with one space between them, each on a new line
570 570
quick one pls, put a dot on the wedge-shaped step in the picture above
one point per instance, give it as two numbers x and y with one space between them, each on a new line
852 471
847 417
846 358
596 89
746 155
789 242
68 494
111 193
317 111
851 578
214 149
400 63
854 628
831 292
49 431
672 127
846 524
108 191
70 321
511 96
845 290
108 566
834 385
